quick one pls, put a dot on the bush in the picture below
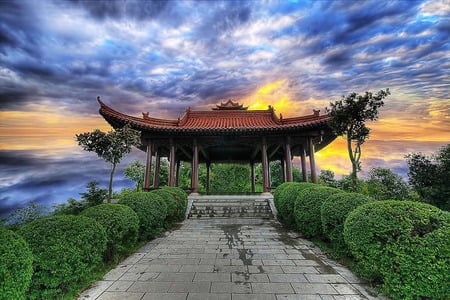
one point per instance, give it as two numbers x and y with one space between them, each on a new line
403 244
65 249
151 211
307 209
276 193
171 204
284 199
16 268
334 211
121 224
181 199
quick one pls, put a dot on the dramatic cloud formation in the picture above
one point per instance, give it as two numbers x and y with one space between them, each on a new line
163 56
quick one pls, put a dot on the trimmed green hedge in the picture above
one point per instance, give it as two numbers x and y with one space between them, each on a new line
121 224
181 198
276 192
171 204
16 261
65 250
403 244
284 200
307 209
151 210
334 211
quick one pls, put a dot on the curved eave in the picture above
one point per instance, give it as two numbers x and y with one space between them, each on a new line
152 125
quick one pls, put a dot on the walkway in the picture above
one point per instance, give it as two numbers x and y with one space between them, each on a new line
229 259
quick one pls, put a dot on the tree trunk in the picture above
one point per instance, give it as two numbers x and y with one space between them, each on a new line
111 175
353 175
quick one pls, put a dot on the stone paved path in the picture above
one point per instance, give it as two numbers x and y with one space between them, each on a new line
229 259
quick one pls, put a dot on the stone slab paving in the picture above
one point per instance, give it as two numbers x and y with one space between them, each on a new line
229 259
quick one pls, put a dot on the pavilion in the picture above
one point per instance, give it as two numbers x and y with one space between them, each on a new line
229 133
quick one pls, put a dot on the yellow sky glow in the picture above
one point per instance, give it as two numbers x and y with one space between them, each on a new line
47 128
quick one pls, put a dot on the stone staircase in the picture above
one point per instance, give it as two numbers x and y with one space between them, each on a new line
235 206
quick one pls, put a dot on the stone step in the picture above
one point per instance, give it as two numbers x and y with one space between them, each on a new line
230 210
230 206
217 205
254 216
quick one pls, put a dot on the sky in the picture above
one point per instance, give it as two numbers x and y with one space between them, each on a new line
56 57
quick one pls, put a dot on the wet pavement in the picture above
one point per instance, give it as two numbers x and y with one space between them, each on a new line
229 259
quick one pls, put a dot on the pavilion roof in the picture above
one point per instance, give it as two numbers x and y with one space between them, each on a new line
226 118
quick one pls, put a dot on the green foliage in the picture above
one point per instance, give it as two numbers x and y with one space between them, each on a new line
25 215
229 178
136 173
349 116
121 224
346 183
276 174
334 211
383 184
284 199
111 146
403 244
429 176
65 250
326 178
151 210
307 209
171 205
93 196
72 207
181 199
296 176
15 265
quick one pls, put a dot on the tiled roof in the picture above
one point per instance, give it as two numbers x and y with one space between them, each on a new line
215 120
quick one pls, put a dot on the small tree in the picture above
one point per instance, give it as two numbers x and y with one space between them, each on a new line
135 172
348 118
429 176
94 195
326 177
111 146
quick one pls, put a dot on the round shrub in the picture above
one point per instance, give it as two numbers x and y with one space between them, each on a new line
171 204
16 268
307 209
151 211
65 249
403 244
334 211
284 200
121 224
181 198
276 193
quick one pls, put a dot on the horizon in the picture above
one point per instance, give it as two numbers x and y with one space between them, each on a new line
56 57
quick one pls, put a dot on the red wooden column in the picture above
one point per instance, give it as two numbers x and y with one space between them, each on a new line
265 165
148 165
177 174
303 161
288 159
194 178
312 160
157 168
252 174
208 167
172 164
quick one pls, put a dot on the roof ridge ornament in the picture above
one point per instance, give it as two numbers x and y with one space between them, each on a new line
229 105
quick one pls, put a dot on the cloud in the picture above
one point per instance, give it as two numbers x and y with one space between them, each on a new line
56 57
